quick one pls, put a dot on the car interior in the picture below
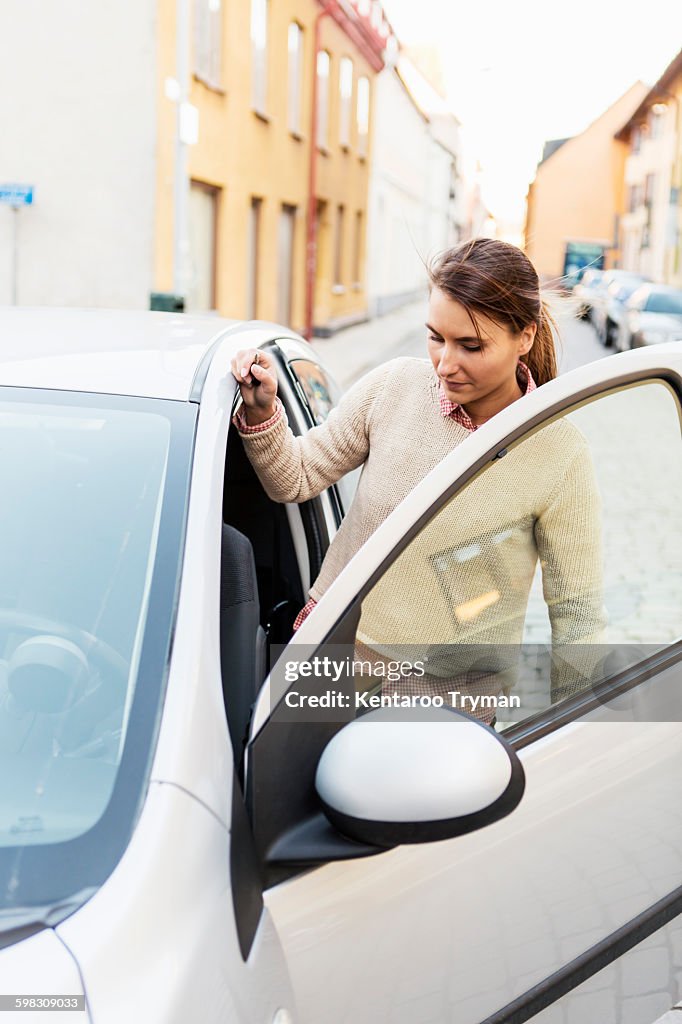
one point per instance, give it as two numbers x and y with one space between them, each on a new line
270 552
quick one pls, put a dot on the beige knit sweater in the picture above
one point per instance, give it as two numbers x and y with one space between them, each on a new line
466 577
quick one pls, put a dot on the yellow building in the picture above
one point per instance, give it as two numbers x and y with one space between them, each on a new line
243 244
578 192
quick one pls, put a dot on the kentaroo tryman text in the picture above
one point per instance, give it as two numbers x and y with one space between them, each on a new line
338 699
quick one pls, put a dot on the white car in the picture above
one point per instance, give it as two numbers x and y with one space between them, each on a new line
178 843
611 314
652 315
601 296
585 290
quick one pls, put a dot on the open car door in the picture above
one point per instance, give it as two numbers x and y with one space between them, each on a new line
542 904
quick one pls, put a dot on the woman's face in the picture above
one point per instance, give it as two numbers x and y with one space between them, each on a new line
471 368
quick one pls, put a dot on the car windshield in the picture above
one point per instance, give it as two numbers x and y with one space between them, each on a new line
88 563
664 302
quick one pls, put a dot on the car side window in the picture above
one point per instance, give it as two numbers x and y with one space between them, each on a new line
555 565
322 393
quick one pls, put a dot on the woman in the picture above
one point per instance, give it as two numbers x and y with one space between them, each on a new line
490 343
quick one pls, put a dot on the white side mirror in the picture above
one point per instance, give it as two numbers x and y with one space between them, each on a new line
410 776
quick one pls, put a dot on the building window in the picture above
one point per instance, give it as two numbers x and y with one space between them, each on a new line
649 186
363 115
322 127
202 230
656 121
338 246
632 198
208 38
357 249
285 263
636 140
295 45
259 55
253 258
346 98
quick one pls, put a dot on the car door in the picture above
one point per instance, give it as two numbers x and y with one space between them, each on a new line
525 918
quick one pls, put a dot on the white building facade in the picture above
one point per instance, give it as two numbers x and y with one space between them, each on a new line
414 193
645 226
87 238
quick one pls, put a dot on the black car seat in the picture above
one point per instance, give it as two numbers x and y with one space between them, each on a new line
242 638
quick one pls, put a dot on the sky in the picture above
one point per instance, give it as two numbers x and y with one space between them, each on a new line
523 71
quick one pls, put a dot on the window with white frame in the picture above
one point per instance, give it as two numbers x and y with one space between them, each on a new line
295 46
208 36
259 55
346 98
322 127
362 111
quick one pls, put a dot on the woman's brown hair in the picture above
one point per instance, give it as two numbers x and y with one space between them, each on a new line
496 279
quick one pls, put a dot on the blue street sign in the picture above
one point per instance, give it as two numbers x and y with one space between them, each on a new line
16 195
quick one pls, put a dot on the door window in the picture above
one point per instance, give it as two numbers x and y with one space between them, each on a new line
322 393
557 565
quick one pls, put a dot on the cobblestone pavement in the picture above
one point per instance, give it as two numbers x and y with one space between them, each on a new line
639 988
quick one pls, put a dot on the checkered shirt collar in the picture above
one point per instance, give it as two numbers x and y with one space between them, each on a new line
454 410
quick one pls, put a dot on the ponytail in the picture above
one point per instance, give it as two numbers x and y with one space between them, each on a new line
541 358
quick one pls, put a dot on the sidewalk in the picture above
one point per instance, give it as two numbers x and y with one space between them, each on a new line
354 350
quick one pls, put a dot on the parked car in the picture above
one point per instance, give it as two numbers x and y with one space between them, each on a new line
653 315
178 845
609 314
603 297
584 291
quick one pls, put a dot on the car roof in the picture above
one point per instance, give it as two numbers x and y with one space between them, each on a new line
128 352
156 355
112 351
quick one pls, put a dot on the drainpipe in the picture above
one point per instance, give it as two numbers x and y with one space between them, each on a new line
311 232
180 177
344 15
